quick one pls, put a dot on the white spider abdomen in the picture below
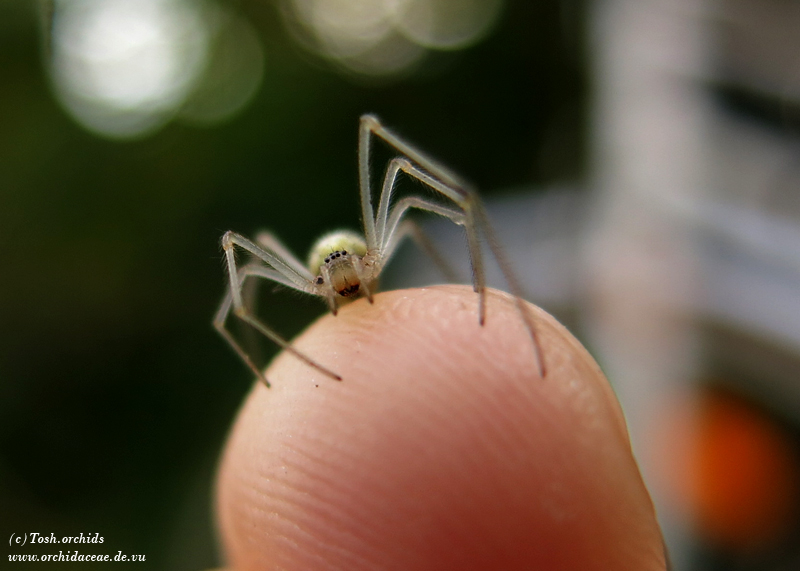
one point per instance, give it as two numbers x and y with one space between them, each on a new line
339 241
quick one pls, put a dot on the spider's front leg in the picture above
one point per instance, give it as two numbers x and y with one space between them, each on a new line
281 267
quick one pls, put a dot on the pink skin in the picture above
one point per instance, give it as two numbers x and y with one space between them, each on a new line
440 449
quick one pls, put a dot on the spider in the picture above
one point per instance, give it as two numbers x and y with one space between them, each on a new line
344 265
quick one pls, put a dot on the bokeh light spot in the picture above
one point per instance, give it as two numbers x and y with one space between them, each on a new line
349 27
232 74
124 68
447 24
121 67
388 37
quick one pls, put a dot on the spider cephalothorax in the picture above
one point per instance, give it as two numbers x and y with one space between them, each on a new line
342 274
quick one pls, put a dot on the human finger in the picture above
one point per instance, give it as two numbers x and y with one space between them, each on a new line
441 448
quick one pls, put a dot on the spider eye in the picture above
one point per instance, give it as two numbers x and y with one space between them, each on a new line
319 280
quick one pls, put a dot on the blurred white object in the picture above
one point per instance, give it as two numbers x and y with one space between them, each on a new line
124 68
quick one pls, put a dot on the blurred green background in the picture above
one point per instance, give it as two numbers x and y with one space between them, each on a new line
115 392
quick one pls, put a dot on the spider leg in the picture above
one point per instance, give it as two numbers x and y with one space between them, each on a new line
397 227
330 297
513 284
424 242
453 187
364 279
367 212
371 125
301 280
400 228
225 307
219 324
465 200
269 241
280 271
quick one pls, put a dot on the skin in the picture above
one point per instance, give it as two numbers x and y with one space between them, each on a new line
441 448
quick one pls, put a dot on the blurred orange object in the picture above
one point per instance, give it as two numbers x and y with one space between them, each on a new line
732 470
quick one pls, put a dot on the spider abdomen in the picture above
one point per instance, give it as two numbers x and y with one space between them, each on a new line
340 241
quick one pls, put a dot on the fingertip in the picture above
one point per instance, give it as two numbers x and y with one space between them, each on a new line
442 447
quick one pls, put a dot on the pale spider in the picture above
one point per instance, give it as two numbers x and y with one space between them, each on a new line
344 265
